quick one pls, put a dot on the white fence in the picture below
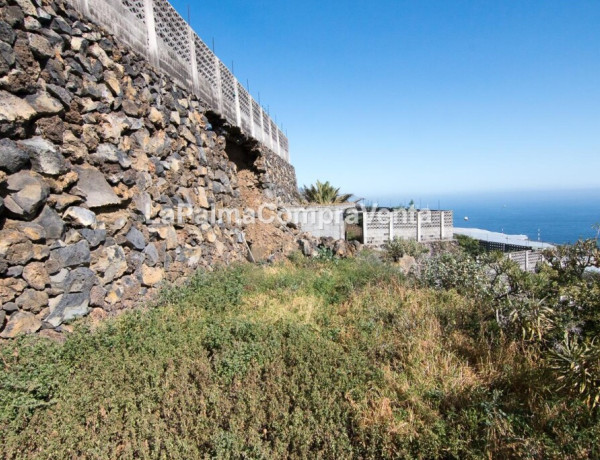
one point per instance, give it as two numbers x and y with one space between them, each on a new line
380 227
527 260
154 29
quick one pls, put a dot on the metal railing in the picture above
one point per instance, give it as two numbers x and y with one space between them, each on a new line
154 29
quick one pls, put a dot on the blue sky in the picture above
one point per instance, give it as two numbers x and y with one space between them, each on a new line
422 97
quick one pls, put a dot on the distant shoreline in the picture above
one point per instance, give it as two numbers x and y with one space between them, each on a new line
558 216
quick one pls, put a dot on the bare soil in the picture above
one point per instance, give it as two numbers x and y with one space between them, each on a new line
266 240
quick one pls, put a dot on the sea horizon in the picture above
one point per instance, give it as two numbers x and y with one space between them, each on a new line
553 216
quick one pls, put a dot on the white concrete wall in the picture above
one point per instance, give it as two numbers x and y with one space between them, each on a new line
527 260
321 221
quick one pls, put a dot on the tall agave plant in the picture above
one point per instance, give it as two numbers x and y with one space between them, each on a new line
324 193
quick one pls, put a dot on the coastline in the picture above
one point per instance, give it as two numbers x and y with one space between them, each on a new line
557 217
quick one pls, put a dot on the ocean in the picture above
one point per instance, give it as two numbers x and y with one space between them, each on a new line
558 217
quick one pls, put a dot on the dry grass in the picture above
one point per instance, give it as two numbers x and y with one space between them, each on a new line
334 359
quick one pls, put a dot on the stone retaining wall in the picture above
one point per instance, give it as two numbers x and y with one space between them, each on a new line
97 153
278 177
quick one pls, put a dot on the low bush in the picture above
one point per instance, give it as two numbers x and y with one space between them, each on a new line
555 311
397 248
470 245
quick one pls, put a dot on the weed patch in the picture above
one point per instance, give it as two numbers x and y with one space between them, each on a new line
311 358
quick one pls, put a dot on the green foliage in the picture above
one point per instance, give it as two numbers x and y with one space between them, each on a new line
569 262
27 385
215 291
577 364
554 311
456 271
470 245
398 247
324 193
314 358
325 254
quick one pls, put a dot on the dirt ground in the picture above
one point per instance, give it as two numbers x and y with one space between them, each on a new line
266 241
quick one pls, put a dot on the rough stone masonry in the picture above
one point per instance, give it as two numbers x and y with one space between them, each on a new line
95 148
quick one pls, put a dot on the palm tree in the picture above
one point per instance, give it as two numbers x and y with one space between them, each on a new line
324 193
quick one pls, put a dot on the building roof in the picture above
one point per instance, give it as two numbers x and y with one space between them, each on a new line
501 238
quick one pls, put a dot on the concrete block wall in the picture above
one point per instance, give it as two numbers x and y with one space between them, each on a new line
380 227
326 221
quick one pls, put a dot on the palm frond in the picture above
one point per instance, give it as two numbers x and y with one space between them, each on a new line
324 193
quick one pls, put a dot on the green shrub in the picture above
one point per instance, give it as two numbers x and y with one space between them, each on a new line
397 248
470 245
577 363
553 312
457 271
325 254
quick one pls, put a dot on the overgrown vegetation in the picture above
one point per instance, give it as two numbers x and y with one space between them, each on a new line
470 245
324 193
554 312
324 358
397 248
